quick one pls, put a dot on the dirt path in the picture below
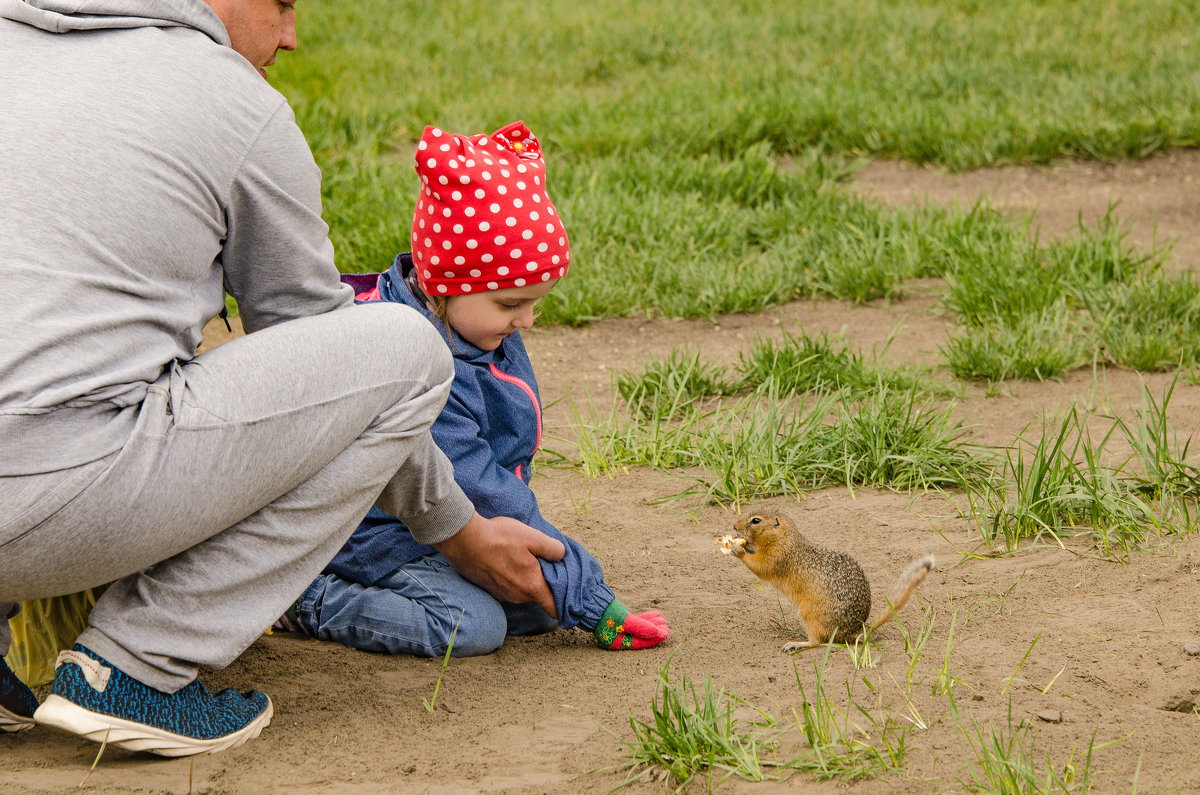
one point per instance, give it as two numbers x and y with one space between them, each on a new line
1107 638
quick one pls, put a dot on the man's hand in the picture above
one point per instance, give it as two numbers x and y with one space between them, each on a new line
501 556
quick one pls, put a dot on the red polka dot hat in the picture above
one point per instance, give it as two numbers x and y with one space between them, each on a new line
484 220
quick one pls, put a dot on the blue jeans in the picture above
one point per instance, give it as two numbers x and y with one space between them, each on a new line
414 610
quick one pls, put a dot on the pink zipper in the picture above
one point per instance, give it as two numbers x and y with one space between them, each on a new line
537 409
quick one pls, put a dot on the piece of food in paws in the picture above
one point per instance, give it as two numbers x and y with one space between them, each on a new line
727 543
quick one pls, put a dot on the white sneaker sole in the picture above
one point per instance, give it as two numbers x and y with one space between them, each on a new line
12 722
68 716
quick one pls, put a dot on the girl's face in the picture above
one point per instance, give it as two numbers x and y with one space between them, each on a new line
485 319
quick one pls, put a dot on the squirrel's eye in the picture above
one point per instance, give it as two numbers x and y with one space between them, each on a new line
755 520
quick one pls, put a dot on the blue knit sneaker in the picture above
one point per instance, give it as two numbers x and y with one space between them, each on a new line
17 702
96 700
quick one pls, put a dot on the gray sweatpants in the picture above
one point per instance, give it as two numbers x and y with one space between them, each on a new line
248 469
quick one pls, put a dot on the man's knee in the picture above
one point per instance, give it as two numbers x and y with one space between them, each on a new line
402 339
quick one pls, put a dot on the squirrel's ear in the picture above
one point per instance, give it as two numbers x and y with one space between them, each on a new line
777 521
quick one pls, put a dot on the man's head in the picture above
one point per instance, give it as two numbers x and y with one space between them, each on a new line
258 28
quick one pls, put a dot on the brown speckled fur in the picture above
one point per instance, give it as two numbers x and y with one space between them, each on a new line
828 586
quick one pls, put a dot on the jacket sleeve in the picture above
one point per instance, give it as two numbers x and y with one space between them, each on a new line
494 490
577 581
277 256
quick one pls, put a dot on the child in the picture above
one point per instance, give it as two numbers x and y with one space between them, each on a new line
487 244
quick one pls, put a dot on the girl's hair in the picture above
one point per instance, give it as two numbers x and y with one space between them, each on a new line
440 306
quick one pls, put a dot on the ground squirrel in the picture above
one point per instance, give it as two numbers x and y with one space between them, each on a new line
828 586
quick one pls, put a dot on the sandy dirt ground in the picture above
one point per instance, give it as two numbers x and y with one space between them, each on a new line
547 714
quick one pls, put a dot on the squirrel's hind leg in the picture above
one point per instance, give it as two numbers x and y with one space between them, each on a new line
800 644
817 636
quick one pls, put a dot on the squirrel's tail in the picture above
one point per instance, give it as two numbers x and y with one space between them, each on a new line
909 581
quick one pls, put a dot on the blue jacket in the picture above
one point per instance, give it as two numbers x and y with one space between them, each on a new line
490 428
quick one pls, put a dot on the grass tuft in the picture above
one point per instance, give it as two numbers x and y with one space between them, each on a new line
1062 483
846 743
695 733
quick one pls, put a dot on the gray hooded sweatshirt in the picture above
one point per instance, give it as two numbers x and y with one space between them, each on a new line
145 168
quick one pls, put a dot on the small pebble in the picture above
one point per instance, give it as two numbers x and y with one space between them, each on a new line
1050 716
1191 650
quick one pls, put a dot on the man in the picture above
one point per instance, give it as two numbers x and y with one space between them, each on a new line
147 169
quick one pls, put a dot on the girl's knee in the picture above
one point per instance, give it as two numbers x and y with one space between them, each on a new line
474 632
475 644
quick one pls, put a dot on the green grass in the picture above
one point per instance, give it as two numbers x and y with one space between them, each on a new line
844 742
800 362
770 444
432 700
695 237
1053 484
609 444
695 733
959 82
1033 347
1034 311
695 151
1004 760
1165 467
1059 481
1151 323
791 365
1009 278
1055 481
677 384
837 733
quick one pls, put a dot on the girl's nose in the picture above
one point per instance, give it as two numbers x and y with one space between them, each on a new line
524 318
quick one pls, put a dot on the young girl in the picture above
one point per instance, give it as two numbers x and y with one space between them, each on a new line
487 244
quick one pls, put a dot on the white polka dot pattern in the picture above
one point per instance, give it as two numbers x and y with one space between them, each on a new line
499 175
